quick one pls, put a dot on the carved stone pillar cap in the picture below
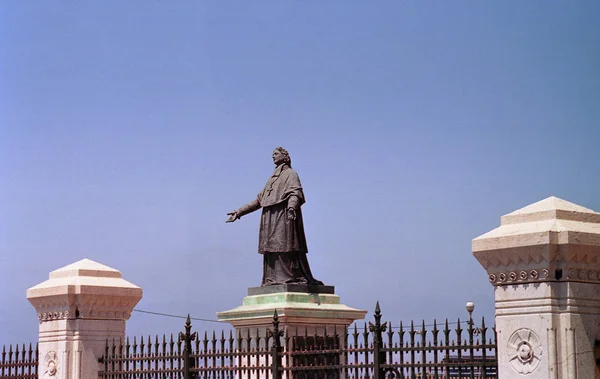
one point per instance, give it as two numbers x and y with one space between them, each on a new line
84 289
552 239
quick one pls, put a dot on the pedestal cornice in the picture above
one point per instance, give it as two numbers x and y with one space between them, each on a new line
293 308
552 240
84 290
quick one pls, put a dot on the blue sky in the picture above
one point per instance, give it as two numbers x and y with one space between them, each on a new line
129 129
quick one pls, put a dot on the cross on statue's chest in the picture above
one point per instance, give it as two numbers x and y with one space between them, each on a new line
271 186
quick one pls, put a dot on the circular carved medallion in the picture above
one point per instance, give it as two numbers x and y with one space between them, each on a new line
51 361
524 351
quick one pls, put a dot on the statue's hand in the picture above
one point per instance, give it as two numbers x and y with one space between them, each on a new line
233 216
291 214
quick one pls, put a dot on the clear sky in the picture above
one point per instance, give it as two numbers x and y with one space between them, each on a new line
128 129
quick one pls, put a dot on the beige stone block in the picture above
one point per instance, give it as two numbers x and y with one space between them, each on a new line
79 308
544 263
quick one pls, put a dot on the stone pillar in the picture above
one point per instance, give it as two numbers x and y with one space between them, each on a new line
79 308
544 264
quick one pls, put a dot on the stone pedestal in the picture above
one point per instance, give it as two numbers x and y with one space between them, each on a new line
544 264
304 313
79 308
306 307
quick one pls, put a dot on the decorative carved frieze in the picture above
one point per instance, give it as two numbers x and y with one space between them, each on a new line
51 316
105 314
539 256
582 275
53 311
520 276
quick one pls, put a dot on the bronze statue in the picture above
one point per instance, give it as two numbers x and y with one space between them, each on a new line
281 238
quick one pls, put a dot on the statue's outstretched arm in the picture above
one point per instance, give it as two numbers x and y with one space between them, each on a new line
248 208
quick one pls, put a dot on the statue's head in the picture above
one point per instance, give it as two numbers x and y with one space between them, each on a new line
280 155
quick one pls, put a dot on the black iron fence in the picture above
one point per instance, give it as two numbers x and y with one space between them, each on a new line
377 350
19 363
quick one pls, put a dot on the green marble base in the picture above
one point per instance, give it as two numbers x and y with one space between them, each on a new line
293 309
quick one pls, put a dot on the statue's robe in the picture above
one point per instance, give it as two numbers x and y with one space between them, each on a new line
281 241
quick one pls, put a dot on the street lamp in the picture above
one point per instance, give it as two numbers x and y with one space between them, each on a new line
470 306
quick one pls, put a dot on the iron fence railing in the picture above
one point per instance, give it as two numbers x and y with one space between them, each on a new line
377 350
19 363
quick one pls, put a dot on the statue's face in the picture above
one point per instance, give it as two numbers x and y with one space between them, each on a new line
278 157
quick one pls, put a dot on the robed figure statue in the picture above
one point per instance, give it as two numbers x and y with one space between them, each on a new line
281 238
